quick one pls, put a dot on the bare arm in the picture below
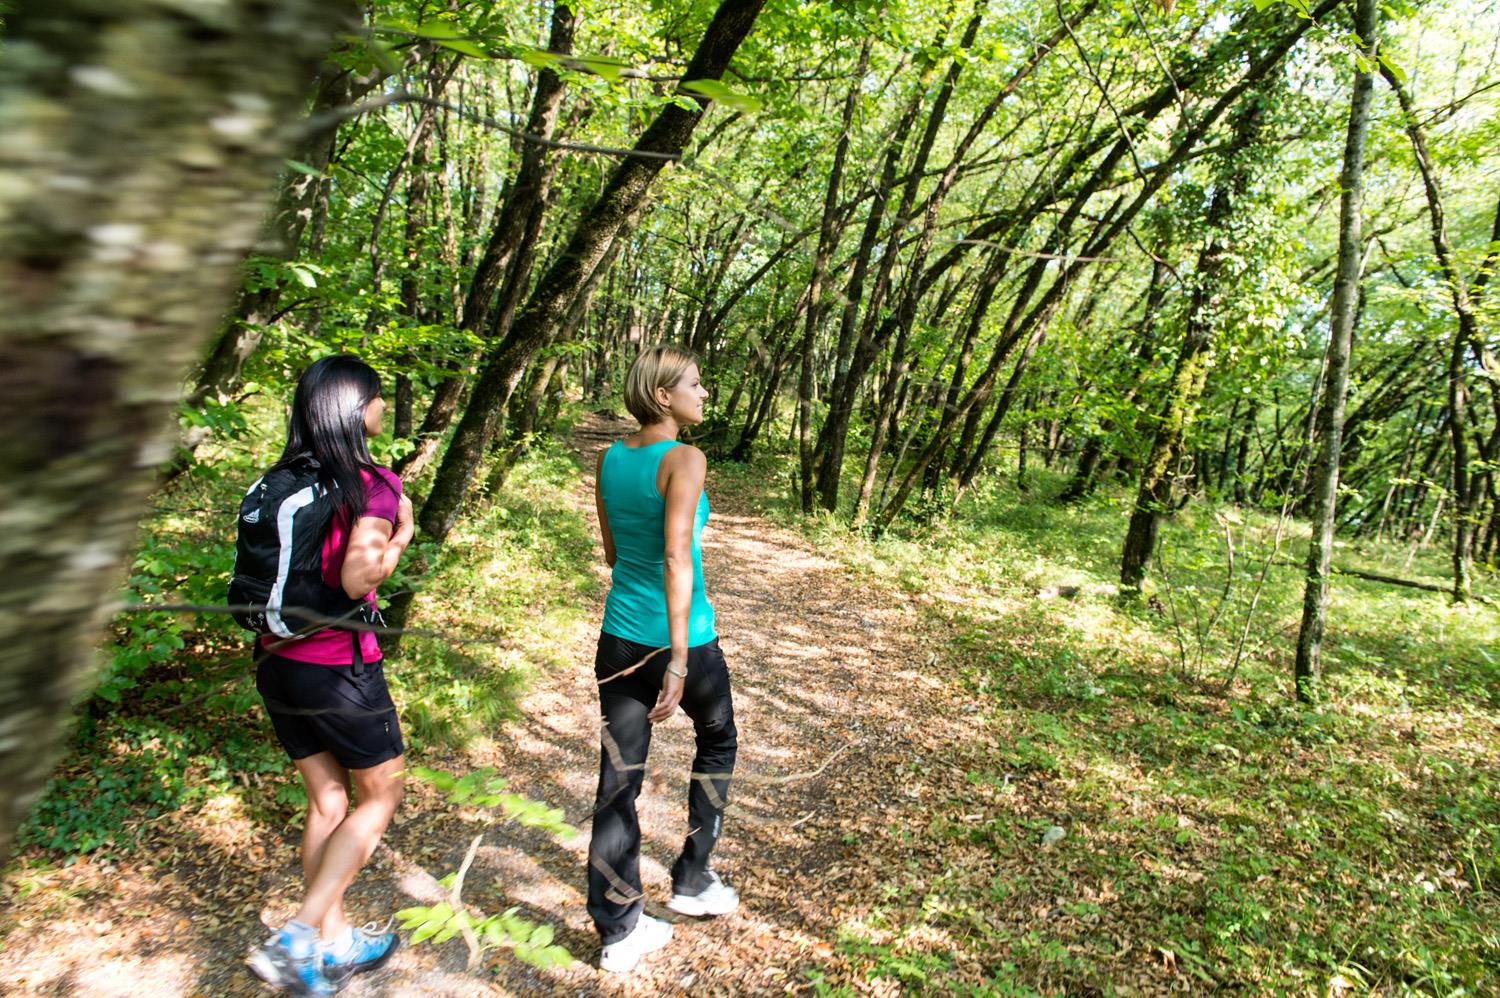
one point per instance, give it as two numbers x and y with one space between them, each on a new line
684 484
604 534
375 548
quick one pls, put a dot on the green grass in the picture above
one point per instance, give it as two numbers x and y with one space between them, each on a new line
515 577
176 723
1231 838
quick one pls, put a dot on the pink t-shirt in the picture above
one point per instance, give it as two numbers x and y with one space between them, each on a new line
329 647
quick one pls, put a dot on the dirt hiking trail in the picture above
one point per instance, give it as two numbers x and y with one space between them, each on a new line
833 701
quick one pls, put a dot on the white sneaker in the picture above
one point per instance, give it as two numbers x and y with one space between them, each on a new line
718 898
648 936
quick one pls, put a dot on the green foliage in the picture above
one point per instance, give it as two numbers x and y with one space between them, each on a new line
222 419
482 788
125 772
714 90
529 942
1354 843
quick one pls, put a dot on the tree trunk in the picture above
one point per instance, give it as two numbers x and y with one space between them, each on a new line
1330 423
1007 395
623 195
1083 480
832 444
525 196
1190 374
853 358
414 307
828 240
114 280
1467 333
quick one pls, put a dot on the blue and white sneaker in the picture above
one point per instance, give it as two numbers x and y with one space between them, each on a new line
289 959
363 949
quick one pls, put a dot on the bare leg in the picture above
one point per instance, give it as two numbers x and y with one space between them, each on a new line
377 792
327 786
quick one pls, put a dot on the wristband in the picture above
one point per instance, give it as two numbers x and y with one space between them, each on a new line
679 675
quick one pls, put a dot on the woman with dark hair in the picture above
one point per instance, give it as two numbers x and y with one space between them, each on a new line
325 691
658 649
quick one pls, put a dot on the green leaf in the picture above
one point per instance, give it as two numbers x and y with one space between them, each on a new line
438 30
724 94
1396 71
542 936
464 47
609 69
540 58
439 779
383 56
492 931
300 167
517 929
445 33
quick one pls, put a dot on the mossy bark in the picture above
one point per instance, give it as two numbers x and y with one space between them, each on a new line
1330 417
1179 406
141 142
1464 337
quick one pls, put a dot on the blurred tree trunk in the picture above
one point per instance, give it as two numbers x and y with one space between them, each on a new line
168 123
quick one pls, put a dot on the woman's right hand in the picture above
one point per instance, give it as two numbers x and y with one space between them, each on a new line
404 513
671 692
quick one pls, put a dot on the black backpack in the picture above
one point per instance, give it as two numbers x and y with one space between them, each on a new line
277 587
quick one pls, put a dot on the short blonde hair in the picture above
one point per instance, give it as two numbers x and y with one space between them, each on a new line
660 366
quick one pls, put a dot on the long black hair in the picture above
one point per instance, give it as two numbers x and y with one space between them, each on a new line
328 425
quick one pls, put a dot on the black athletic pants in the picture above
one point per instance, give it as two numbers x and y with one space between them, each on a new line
615 850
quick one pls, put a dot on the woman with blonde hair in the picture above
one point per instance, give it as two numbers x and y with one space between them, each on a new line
658 650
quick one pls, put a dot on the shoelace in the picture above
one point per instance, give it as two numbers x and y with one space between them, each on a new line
369 927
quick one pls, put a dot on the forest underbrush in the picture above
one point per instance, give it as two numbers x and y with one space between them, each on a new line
1140 776
174 733
1136 805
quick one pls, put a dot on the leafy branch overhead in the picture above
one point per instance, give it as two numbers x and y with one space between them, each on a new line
451 36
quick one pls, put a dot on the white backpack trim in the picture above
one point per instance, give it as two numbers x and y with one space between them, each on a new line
285 517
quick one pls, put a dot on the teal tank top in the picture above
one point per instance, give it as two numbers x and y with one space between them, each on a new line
636 609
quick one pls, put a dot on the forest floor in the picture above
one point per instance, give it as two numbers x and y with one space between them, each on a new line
835 701
948 780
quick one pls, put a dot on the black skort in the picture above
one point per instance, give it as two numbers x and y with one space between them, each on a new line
327 708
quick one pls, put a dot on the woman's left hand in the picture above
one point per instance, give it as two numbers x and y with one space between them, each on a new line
671 696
